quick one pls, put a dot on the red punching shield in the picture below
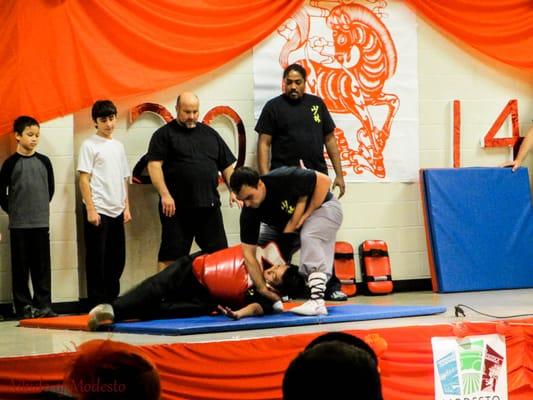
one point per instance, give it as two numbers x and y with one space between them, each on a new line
344 265
375 265
224 274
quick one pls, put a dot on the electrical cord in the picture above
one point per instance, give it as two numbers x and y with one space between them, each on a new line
459 312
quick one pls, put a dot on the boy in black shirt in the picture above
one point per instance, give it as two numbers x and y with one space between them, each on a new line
26 189
291 199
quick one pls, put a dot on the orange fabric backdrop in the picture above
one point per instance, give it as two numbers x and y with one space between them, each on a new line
254 368
59 56
501 29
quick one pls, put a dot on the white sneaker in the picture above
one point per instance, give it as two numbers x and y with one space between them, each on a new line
311 307
100 314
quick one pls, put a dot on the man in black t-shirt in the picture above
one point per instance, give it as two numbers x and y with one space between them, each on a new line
290 199
184 158
295 127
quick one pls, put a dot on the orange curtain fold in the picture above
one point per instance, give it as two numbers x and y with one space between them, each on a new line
59 56
500 29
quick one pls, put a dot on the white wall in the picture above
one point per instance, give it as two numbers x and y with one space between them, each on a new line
392 212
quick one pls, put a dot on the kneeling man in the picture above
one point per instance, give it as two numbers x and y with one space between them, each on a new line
291 199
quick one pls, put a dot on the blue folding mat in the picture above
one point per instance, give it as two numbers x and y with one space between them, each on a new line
479 223
221 323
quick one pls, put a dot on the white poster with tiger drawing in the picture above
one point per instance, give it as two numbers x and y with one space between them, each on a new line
361 59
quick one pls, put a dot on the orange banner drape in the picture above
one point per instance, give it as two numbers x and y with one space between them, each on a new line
501 29
254 368
59 56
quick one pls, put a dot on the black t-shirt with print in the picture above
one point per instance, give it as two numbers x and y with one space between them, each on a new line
297 128
284 186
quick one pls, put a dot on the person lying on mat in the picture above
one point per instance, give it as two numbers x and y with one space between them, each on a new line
196 284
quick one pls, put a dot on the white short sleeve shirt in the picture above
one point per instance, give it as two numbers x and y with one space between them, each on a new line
105 159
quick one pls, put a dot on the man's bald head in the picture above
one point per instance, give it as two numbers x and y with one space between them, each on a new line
187 109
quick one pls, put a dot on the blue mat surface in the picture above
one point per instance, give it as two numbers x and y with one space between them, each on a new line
221 323
480 228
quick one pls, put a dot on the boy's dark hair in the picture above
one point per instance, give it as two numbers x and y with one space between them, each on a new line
295 67
345 338
243 176
335 364
22 123
292 283
103 109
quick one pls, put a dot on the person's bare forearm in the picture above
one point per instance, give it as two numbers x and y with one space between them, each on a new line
333 153
318 196
85 189
264 144
252 266
155 169
296 215
256 272
525 147
249 311
226 174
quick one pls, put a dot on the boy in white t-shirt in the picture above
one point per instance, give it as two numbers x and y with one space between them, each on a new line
104 174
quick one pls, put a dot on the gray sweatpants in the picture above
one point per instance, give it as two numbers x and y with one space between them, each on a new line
318 237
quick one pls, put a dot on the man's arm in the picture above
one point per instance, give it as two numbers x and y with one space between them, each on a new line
4 185
256 273
127 213
50 173
296 215
264 143
85 188
5 181
333 152
525 147
226 174
247 311
155 170
318 196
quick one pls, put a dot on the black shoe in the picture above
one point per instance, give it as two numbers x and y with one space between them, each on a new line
26 312
337 295
46 312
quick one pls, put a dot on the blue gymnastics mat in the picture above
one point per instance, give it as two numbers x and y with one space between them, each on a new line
479 223
221 323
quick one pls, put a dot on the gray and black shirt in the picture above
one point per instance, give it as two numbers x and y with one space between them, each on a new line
26 188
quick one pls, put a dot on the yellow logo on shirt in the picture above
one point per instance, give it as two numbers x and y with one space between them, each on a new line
285 206
316 116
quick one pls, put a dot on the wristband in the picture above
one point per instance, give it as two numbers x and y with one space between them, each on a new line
278 306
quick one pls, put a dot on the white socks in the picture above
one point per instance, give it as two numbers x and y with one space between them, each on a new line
315 305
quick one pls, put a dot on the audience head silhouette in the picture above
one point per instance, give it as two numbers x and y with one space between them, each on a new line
105 369
331 366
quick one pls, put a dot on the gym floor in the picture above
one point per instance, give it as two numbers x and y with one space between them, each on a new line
18 341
